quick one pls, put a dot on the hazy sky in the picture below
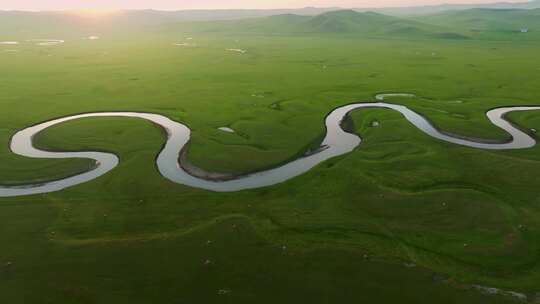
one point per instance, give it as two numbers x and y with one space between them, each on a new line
205 4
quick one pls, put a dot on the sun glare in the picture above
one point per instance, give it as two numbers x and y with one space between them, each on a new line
96 12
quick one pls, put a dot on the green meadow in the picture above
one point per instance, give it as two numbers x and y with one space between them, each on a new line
404 218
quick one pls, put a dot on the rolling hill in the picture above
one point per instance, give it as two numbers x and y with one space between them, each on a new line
347 22
478 23
434 9
17 22
488 21
334 22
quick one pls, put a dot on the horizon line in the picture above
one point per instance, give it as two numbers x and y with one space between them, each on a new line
263 9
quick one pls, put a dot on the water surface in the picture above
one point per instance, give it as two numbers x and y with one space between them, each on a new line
336 142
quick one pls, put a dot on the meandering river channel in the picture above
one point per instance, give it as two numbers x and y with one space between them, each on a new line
336 142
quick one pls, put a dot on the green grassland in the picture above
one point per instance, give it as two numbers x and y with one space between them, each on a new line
404 218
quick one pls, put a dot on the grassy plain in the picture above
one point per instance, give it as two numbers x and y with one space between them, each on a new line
344 231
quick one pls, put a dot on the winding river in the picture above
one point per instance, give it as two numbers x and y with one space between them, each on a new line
336 142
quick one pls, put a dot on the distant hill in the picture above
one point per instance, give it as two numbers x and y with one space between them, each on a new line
336 22
433 9
155 16
487 20
235 14
465 24
71 21
351 21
